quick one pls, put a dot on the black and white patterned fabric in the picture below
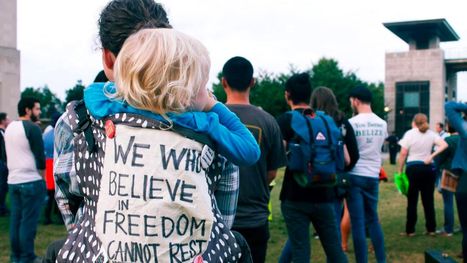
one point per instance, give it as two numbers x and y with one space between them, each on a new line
126 223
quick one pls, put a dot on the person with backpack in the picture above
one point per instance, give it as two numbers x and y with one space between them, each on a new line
362 201
456 113
170 210
308 197
118 20
323 99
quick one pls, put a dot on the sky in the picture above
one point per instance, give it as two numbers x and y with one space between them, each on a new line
58 39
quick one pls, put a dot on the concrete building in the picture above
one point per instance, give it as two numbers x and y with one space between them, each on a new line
9 59
420 79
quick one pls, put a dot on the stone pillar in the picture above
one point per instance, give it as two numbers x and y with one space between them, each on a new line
416 65
451 85
9 59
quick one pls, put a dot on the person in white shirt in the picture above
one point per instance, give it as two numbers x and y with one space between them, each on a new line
26 162
416 154
440 130
370 132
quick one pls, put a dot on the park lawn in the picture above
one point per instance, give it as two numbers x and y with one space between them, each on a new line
392 207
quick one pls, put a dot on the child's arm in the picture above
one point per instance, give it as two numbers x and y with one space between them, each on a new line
235 141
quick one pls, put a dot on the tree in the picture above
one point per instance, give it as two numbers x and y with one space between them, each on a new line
327 73
268 93
50 103
75 93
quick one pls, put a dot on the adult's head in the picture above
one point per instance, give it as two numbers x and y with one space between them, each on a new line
298 90
449 128
162 70
323 99
360 99
29 109
4 120
121 18
237 75
420 121
439 127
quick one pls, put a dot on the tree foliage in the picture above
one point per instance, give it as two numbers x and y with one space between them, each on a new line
50 103
328 74
75 93
268 93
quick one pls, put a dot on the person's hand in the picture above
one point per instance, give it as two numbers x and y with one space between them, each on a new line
428 160
204 100
210 102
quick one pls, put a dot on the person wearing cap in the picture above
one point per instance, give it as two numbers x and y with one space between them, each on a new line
362 201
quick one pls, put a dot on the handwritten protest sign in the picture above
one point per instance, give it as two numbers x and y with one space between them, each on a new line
153 202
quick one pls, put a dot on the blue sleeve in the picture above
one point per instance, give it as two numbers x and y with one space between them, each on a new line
235 141
453 114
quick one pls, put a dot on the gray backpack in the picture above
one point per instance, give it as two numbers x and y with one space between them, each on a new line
147 197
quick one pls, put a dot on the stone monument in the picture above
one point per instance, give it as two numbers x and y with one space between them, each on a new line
420 79
9 59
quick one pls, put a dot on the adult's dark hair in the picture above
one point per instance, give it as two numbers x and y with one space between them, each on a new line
26 103
323 99
121 18
238 72
299 88
450 128
54 118
2 116
101 77
361 93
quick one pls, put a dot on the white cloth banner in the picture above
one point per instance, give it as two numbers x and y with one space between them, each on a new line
154 204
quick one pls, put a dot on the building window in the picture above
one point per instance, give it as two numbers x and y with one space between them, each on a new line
411 98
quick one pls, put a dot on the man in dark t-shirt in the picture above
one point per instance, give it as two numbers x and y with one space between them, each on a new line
393 146
301 206
251 219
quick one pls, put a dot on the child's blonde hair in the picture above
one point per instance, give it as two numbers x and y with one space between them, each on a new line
161 70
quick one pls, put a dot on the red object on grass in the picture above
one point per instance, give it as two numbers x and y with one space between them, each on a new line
382 175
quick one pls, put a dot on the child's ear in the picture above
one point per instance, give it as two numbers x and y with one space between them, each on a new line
108 61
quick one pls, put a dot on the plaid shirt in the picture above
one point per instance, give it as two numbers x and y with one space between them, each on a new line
69 196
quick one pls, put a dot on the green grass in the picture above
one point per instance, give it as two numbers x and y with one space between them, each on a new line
392 207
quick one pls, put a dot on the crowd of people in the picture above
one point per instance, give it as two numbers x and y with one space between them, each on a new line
149 167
